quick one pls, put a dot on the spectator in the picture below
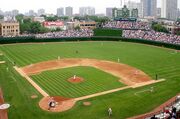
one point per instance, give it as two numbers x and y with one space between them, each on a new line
128 25
68 33
110 112
152 35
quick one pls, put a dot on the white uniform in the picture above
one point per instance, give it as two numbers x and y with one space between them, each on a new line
110 111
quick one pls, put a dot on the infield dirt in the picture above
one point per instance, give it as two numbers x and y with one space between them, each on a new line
128 75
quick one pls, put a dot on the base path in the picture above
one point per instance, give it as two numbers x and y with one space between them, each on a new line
127 74
3 113
101 93
38 88
66 104
118 89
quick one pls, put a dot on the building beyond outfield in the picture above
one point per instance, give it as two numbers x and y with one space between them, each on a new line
9 28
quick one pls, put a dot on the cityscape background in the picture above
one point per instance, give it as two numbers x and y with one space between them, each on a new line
51 6
157 20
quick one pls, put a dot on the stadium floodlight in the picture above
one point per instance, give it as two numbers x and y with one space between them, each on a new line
4 106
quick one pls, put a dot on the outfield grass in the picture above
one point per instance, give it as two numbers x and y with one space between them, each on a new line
1 57
56 82
151 60
124 103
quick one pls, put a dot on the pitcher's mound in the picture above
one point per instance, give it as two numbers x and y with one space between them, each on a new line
76 80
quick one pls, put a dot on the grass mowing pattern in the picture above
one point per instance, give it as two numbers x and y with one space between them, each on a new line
55 82
17 92
124 103
151 60
1 57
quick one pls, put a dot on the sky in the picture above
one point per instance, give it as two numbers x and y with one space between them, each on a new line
51 5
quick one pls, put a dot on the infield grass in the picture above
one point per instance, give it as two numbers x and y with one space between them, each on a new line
151 60
56 82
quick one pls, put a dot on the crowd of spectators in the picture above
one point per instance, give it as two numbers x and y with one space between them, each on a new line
128 25
169 112
67 33
142 30
152 35
137 30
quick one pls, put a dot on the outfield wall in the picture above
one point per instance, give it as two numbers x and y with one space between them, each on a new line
36 40
94 38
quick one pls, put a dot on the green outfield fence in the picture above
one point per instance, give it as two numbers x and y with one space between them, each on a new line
94 38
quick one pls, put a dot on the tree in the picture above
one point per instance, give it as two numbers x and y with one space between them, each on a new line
43 30
77 28
64 18
35 27
27 21
97 19
79 18
159 28
24 24
178 20
54 18
178 33
29 26
20 18
24 28
58 29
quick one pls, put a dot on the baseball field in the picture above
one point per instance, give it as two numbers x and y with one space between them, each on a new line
34 60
